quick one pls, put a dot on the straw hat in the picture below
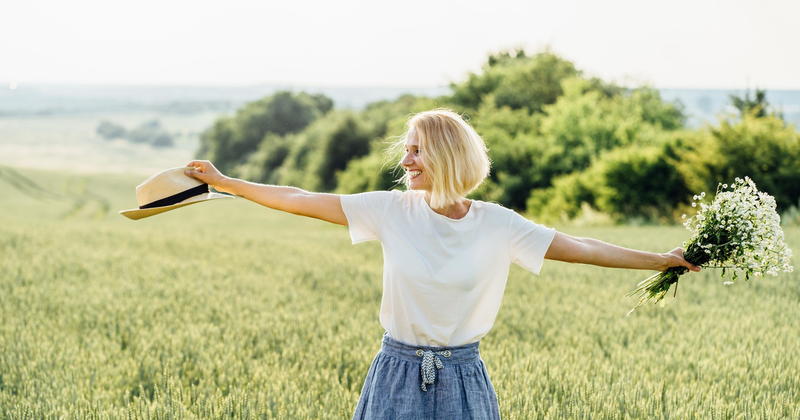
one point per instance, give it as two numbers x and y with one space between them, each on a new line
169 190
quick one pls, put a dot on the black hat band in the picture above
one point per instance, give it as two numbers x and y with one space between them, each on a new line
177 198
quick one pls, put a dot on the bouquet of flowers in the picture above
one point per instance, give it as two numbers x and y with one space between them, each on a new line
740 230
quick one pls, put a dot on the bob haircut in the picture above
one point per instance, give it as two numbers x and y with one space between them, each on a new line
455 157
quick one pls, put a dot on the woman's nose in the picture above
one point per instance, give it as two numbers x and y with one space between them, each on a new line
406 161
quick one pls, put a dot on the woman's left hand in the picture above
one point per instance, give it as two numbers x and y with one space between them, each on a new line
675 258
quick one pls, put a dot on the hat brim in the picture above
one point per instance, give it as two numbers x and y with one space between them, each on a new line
136 214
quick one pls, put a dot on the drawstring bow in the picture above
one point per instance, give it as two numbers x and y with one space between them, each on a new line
429 360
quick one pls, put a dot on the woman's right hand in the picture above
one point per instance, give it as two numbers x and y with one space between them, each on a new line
206 171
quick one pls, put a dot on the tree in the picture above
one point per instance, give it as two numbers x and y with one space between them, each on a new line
757 105
152 133
372 172
763 148
760 146
324 149
630 182
517 81
512 137
584 123
232 139
109 130
381 121
264 165
345 141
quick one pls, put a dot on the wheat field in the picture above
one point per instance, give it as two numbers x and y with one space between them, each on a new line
229 310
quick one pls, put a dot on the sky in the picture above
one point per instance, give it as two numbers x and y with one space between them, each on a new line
703 44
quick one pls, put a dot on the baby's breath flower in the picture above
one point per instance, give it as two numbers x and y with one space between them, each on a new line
740 230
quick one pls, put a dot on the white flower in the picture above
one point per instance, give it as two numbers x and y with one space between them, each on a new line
753 241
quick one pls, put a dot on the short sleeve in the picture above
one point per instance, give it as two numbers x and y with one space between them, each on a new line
528 243
364 213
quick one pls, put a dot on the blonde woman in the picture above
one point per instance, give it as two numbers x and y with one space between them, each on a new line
446 260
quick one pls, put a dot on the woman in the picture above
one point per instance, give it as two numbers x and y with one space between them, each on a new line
446 260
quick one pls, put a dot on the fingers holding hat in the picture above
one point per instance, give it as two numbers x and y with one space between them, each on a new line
201 166
205 171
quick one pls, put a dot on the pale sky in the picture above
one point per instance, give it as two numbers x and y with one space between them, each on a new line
726 44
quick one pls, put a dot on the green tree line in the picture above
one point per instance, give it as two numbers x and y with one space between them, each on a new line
564 147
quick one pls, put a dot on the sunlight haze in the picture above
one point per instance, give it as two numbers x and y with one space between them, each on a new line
678 44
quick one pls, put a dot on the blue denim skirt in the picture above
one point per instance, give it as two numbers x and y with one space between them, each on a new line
400 385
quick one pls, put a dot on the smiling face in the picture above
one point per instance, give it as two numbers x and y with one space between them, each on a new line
414 164
444 157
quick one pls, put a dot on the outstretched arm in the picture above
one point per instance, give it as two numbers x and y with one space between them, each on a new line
321 206
591 251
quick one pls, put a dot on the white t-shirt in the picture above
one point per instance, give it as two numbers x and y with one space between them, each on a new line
443 278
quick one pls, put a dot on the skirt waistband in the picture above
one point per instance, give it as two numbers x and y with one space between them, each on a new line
467 353
430 358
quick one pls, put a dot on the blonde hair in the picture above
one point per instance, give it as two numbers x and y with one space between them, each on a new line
455 156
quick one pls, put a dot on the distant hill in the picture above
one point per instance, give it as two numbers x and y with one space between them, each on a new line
701 105
71 99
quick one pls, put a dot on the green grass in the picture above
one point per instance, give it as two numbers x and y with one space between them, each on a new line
229 310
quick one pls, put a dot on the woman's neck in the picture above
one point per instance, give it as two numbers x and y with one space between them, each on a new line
454 211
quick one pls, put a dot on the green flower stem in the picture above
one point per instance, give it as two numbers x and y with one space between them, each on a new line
657 285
